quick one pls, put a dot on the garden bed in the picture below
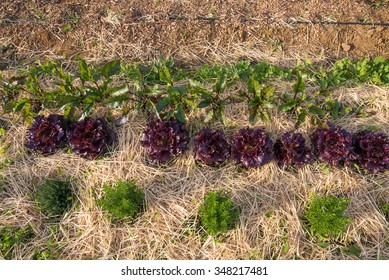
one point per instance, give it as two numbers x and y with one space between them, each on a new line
118 166
273 200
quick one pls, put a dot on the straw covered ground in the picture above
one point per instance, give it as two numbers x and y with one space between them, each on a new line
272 198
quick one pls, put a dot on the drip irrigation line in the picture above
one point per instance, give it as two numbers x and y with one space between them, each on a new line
340 23
175 17
7 20
207 18
212 19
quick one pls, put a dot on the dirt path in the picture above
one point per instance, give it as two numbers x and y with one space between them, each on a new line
142 30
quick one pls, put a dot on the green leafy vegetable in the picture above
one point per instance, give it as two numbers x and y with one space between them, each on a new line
124 200
218 214
326 218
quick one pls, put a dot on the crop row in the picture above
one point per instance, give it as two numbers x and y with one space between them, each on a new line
165 91
323 217
169 95
249 147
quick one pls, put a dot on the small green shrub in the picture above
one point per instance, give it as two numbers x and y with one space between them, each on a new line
11 237
218 214
54 197
325 216
123 201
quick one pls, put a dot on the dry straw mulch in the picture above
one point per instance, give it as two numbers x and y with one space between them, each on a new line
272 198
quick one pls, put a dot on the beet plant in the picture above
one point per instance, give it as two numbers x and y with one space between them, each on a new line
211 147
326 218
260 101
213 100
164 140
290 149
90 138
251 147
175 101
95 89
333 145
46 135
372 151
295 102
54 197
217 213
125 200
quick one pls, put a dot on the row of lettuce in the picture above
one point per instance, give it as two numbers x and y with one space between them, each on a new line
123 202
169 94
248 147
164 90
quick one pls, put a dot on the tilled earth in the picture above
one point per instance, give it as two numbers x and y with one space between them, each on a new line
192 32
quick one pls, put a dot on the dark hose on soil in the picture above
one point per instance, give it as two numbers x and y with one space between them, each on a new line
340 23
174 17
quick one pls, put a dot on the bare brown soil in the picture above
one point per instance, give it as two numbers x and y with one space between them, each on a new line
143 30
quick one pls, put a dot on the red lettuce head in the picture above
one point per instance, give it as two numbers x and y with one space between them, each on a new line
47 134
333 145
290 149
164 140
211 147
251 147
372 150
90 138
